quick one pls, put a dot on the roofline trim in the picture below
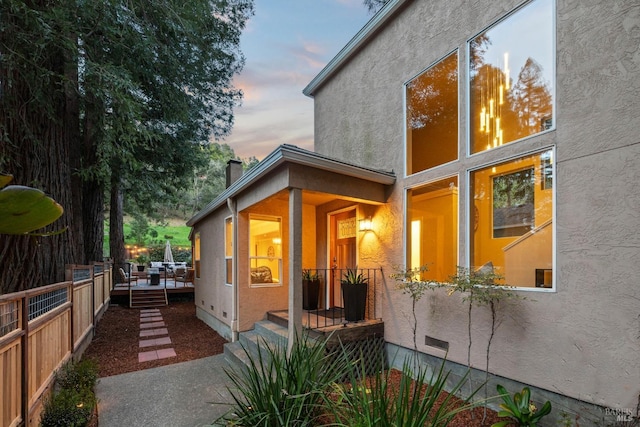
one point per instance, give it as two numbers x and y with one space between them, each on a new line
359 40
290 153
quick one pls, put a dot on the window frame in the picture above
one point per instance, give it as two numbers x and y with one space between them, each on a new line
469 120
405 101
470 205
279 259
468 162
228 257
407 218
197 247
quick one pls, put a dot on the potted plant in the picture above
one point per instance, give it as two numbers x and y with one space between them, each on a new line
354 294
310 290
142 259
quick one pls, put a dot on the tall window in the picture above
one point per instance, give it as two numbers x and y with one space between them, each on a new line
228 250
265 250
196 254
511 226
433 228
432 116
511 78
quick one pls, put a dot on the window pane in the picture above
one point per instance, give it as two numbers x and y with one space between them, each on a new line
512 219
228 250
229 271
265 250
228 234
433 228
432 116
511 78
196 255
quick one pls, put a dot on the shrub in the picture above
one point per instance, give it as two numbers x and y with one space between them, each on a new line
78 376
282 390
420 400
68 408
72 401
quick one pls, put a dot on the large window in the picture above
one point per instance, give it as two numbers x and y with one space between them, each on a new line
432 116
265 250
511 78
511 226
228 250
433 228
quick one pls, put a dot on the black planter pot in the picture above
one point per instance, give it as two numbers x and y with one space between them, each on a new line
310 291
355 301
140 267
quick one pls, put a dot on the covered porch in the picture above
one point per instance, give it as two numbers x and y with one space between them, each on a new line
295 211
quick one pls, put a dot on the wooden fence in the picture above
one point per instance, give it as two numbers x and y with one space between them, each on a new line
41 329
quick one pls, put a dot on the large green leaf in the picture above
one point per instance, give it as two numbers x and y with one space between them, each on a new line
25 209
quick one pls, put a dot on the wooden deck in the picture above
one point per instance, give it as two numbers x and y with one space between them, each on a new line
173 287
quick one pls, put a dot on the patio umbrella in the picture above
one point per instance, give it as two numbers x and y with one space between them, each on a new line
168 255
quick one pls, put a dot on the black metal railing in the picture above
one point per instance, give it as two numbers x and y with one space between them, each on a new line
330 310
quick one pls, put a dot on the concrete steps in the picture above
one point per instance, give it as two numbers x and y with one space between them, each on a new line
265 335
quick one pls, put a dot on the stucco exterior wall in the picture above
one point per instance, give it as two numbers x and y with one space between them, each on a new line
213 298
581 340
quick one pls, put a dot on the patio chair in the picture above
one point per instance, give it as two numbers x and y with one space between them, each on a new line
187 278
127 277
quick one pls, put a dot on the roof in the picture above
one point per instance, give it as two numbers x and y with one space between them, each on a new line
355 44
291 154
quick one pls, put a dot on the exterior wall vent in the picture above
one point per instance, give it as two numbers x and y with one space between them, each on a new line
435 342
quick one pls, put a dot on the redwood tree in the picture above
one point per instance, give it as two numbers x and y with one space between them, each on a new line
108 91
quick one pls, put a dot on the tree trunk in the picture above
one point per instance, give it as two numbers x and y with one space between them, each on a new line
35 150
116 232
92 189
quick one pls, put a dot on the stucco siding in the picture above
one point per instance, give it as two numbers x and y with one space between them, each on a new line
213 297
582 340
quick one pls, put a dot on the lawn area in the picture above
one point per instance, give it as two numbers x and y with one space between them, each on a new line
175 231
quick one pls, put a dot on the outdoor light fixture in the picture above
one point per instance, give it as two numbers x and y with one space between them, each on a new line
366 224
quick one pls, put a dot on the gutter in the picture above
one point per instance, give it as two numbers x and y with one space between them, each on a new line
235 300
355 44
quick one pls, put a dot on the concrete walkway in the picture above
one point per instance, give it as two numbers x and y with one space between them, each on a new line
187 394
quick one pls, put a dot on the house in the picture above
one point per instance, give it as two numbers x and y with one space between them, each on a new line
496 134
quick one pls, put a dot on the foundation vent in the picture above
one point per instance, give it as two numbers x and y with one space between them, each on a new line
435 342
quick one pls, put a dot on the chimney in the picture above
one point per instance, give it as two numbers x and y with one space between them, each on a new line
233 172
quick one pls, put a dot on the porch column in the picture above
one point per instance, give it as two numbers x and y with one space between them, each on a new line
295 264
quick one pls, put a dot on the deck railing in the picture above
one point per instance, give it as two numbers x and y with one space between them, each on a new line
42 328
334 314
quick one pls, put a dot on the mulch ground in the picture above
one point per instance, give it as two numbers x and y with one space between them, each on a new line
115 345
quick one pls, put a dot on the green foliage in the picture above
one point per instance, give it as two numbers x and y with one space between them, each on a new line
72 402
78 376
25 209
352 277
419 400
283 390
68 408
520 408
306 387
309 275
410 283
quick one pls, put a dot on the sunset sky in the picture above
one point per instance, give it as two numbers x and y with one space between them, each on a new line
286 43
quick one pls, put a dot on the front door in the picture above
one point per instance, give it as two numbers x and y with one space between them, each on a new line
342 251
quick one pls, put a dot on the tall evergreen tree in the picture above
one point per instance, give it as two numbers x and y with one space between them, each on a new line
101 97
